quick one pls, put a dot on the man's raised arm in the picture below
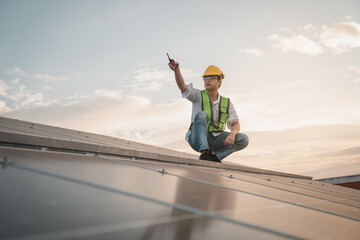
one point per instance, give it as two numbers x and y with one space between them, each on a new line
179 78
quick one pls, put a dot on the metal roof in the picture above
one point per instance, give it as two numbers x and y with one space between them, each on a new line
59 184
342 179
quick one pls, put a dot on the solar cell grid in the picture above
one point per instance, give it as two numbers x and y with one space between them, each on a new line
205 192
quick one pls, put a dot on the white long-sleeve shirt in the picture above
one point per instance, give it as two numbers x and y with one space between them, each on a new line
194 96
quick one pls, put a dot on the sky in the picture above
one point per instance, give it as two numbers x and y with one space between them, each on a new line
292 69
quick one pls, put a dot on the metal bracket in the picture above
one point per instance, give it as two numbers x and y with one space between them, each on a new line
163 171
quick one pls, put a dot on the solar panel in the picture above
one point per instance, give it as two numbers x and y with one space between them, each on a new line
50 193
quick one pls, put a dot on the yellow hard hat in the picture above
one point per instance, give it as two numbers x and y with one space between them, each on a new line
213 70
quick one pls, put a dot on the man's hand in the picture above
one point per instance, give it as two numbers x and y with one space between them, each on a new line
235 128
230 139
178 77
174 67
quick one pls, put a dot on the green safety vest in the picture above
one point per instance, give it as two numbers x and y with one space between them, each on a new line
224 106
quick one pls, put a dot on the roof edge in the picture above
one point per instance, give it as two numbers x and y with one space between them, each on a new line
38 142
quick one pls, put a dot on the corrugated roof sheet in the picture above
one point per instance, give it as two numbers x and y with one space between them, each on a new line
59 184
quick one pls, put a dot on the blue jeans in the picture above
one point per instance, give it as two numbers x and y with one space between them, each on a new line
200 139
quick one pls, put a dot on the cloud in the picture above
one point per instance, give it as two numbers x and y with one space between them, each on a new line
150 79
117 94
296 43
351 73
308 27
252 51
3 88
4 108
47 88
17 71
108 112
338 38
18 96
36 99
46 77
341 37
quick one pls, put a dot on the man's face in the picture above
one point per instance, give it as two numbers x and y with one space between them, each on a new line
212 82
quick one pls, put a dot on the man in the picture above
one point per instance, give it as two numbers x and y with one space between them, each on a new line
210 114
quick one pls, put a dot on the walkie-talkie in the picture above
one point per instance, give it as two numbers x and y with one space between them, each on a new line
172 62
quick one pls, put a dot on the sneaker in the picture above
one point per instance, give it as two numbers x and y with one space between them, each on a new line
206 156
214 157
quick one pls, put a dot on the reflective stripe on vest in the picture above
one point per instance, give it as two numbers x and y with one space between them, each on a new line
223 112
